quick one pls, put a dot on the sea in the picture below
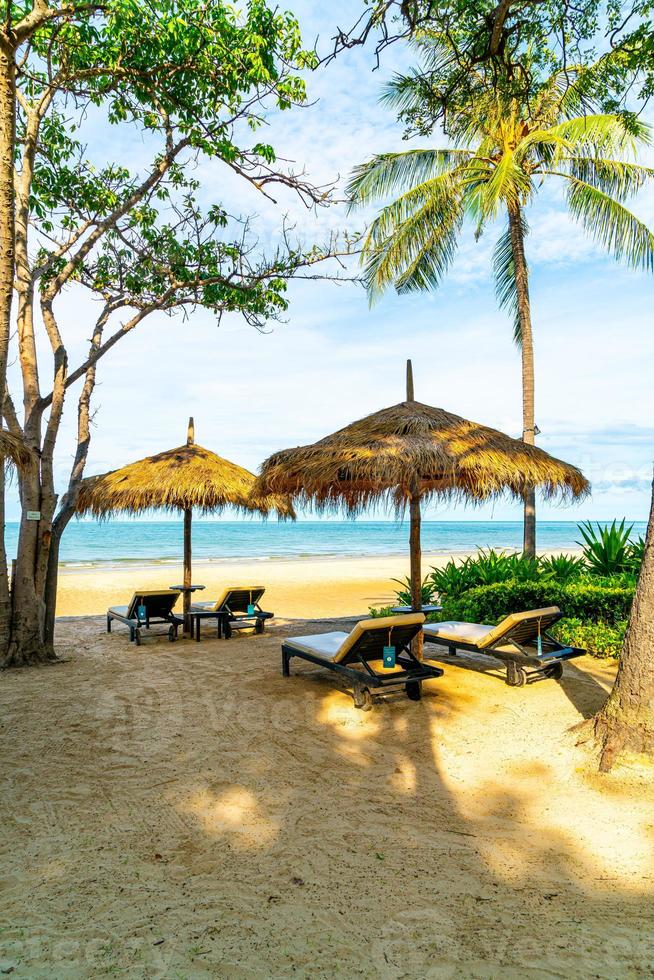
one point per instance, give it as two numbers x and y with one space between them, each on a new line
87 544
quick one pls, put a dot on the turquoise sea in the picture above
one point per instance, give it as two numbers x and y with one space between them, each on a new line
87 543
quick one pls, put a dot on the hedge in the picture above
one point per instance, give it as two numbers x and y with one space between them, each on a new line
609 604
598 639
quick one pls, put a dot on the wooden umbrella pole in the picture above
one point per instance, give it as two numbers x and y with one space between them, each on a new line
409 381
188 547
188 519
415 551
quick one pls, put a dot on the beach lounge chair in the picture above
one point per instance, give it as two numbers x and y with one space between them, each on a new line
237 608
521 641
360 656
145 608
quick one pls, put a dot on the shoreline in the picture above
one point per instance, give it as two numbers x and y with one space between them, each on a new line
307 588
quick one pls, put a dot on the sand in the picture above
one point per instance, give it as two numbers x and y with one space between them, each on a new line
302 587
181 810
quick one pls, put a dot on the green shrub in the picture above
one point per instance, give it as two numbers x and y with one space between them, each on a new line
588 601
598 639
376 611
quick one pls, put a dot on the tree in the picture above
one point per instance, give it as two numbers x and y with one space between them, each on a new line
516 43
192 80
626 722
503 150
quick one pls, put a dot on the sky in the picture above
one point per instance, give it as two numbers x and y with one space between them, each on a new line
335 359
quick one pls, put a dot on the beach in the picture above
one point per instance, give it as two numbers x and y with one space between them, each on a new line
183 810
299 587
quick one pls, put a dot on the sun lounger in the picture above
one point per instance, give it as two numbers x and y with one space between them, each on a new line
521 641
237 608
146 608
360 656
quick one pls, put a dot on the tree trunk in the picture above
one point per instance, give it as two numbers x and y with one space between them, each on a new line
59 525
7 148
517 231
626 722
415 551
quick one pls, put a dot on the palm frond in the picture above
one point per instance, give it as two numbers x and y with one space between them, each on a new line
601 134
614 177
416 253
395 214
397 172
611 224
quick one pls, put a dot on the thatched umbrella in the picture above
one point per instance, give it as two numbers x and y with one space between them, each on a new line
408 454
187 478
15 450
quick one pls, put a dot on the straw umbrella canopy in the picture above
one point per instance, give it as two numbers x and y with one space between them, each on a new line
14 449
183 479
411 453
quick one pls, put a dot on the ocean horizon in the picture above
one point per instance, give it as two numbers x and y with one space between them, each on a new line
87 544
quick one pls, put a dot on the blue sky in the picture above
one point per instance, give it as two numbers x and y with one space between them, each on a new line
335 360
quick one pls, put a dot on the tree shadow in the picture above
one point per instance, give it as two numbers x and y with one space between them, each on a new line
200 815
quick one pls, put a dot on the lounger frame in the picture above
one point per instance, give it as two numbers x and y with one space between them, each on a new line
523 666
158 616
230 619
366 648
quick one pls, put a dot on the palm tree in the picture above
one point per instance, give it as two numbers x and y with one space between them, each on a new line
503 151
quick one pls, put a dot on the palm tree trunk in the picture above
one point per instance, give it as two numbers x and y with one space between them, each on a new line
517 231
626 722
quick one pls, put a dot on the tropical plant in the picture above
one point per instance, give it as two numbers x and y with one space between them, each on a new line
403 594
503 150
563 568
607 549
635 555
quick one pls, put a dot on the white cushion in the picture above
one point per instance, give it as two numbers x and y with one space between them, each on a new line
472 633
323 645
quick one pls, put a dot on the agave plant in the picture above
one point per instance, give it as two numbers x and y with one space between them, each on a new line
607 549
636 554
562 568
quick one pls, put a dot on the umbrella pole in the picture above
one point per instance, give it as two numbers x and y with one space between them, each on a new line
416 565
188 518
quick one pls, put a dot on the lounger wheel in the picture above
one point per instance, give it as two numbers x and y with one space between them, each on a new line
555 671
516 676
362 698
172 634
414 690
137 637
259 626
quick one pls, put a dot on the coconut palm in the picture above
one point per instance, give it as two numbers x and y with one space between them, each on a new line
502 153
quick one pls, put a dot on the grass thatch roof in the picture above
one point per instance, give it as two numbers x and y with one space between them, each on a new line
15 450
179 479
377 459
